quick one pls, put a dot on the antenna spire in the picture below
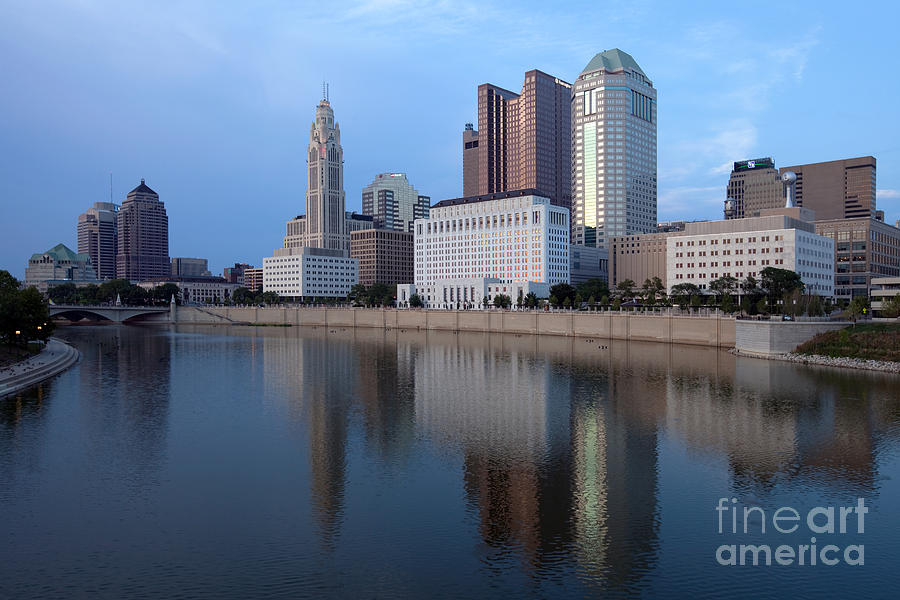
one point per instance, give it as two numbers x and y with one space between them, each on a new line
326 92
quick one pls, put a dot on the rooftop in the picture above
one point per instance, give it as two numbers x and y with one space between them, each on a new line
61 252
612 61
143 188
488 197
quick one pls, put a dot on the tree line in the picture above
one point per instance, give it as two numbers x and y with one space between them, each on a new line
24 314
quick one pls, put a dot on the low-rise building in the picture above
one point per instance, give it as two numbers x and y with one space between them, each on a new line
470 293
190 267
196 290
865 249
588 262
384 255
235 274
309 273
59 265
741 248
253 279
638 257
883 289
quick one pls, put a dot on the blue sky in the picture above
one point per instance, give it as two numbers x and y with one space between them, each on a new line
212 102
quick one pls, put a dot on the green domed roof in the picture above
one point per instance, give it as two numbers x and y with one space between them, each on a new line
613 60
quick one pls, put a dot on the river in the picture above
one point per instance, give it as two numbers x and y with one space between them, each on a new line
256 462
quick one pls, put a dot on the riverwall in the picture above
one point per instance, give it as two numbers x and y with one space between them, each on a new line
56 357
703 331
768 338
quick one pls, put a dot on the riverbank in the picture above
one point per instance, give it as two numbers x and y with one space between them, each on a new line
56 357
861 341
828 361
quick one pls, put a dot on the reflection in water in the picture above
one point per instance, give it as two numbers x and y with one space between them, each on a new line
470 464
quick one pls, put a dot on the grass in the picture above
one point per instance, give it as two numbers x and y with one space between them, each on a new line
868 341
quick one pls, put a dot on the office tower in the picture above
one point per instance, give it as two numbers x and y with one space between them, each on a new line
754 185
393 203
523 140
143 243
97 237
235 274
865 250
839 189
190 267
470 161
325 188
613 150
384 256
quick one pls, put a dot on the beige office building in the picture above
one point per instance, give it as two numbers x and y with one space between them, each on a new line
638 257
754 185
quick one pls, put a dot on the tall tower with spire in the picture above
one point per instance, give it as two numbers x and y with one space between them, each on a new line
325 201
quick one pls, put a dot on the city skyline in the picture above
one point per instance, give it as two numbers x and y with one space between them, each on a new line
221 116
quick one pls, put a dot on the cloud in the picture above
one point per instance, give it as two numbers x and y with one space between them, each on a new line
692 202
882 194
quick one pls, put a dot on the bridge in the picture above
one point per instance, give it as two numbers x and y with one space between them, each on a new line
116 314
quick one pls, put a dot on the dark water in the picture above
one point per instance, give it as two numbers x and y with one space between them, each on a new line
269 462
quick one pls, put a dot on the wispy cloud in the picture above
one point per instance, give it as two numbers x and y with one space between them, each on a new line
887 194
698 202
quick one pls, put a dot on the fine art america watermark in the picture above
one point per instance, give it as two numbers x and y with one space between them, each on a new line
824 524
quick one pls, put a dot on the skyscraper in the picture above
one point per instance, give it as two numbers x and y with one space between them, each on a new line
754 185
325 188
98 237
523 140
613 150
393 203
143 243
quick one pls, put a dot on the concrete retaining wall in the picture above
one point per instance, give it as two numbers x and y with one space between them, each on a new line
56 357
766 338
702 331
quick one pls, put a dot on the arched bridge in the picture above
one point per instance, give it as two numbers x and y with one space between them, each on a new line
117 314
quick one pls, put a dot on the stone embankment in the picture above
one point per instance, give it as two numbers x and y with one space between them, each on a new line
56 357
830 361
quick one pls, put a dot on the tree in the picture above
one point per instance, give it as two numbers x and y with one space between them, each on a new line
23 311
567 302
595 287
683 292
778 282
520 301
554 301
269 298
814 307
859 306
64 293
746 305
531 300
415 301
579 300
592 303
502 301
616 304
652 290
563 291
696 301
485 301
243 295
358 294
723 286
163 293
762 306
604 300
727 304
377 293
890 308
625 290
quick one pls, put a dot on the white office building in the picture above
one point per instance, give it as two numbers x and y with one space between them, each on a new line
309 273
741 248
508 242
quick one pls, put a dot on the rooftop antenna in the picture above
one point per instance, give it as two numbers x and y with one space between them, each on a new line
326 92
110 188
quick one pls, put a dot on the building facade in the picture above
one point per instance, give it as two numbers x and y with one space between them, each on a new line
235 274
884 289
384 256
325 200
295 229
196 290
588 262
309 273
393 203
98 237
613 150
190 267
143 242
838 189
481 244
253 279
470 293
638 257
865 249
523 140
741 248
754 185
470 161
59 265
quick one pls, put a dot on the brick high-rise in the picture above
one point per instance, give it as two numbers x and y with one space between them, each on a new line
838 189
98 237
143 242
524 141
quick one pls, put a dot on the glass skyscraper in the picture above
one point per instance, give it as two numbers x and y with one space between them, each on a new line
613 150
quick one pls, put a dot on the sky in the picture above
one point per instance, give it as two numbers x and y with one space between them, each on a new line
211 102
